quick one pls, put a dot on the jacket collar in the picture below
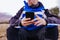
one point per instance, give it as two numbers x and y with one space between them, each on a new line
33 8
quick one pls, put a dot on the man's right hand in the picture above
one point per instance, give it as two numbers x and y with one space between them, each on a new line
26 22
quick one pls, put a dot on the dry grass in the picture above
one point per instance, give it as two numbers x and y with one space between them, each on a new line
3 28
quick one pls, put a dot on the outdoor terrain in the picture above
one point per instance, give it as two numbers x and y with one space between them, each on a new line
4 20
4 23
3 28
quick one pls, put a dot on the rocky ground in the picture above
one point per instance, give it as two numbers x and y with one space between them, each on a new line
3 28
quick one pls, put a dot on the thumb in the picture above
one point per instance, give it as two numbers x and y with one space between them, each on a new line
37 16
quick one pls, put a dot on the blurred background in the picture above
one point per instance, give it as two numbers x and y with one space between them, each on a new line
9 8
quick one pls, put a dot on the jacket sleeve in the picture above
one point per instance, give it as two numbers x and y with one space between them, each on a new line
14 21
52 18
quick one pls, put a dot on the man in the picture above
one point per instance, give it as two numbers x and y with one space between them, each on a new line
28 29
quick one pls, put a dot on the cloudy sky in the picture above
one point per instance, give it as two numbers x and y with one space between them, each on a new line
12 6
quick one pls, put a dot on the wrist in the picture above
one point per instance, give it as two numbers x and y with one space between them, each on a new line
44 22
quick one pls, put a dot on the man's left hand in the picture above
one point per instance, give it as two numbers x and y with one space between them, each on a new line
40 21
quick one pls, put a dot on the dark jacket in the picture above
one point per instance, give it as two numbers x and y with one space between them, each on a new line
15 22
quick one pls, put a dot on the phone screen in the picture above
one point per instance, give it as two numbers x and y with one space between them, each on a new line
30 15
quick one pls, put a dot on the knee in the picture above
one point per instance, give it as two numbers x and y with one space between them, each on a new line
12 34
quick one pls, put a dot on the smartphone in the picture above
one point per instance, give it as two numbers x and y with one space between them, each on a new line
30 15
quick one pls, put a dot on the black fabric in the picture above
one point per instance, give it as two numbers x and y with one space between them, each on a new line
14 21
12 34
21 34
52 33
32 35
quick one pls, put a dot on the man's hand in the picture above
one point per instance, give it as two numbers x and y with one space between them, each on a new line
40 21
26 22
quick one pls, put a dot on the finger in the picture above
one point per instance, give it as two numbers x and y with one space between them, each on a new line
29 21
36 22
33 20
37 16
28 24
26 19
39 24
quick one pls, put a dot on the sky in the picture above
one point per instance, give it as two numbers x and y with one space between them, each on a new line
11 7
